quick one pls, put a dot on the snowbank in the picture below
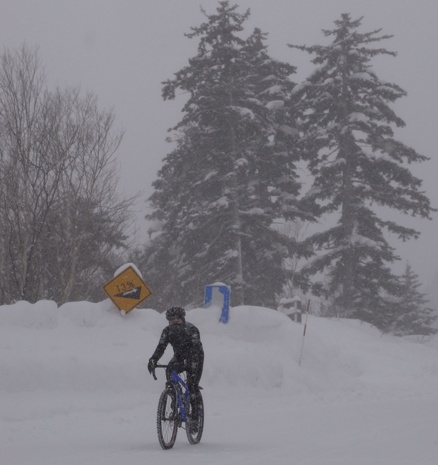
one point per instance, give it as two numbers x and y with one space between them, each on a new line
92 347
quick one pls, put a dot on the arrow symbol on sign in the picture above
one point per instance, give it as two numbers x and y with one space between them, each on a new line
131 294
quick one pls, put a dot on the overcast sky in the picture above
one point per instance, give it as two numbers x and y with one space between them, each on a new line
122 50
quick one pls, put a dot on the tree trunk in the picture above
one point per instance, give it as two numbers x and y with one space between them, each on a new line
238 292
346 152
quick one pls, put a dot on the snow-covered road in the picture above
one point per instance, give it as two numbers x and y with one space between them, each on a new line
75 391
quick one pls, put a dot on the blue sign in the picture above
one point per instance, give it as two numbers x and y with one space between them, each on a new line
225 300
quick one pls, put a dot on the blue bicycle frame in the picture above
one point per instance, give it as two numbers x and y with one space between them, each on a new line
174 410
179 382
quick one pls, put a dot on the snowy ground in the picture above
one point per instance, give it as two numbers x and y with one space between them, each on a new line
74 390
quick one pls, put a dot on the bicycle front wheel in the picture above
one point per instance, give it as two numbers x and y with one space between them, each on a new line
167 419
195 421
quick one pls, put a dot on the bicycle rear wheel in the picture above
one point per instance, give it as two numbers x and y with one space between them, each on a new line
195 422
167 419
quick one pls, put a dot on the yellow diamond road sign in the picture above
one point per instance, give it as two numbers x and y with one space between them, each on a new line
127 290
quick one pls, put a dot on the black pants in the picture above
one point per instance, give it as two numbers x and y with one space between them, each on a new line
193 367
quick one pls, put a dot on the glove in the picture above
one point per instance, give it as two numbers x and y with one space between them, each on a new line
151 365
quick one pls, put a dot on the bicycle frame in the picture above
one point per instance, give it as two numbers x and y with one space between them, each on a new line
176 395
179 383
181 389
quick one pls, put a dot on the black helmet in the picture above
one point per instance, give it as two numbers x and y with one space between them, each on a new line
175 312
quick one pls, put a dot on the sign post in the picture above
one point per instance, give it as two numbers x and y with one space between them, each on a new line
127 290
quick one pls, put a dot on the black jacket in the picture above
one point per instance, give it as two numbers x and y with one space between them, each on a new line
185 340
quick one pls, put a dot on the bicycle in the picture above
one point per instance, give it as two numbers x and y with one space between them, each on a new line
175 411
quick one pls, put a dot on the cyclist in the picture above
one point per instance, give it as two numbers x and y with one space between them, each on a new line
185 339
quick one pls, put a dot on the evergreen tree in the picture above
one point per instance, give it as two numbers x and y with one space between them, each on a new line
358 166
410 315
231 174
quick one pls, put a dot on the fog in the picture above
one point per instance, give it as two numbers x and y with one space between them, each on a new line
121 50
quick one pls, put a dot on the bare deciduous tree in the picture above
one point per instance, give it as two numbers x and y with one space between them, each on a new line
93 220
58 185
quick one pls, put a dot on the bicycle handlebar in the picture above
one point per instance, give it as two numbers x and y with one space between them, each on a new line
157 366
